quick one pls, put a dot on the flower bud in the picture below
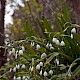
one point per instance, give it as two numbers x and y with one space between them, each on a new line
13 50
62 43
37 46
57 42
44 55
23 48
54 40
38 67
71 36
73 30
19 78
14 69
40 72
23 66
20 52
14 78
50 72
45 73
41 63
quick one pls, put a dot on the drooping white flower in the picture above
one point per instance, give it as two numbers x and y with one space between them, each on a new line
57 61
44 55
45 73
51 72
10 70
71 36
26 79
14 78
19 78
57 42
23 77
16 56
14 69
47 45
13 50
38 67
41 63
54 40
8 59
50 45
73 30
32 44
40 72
18 66
62 43
32 68
51 48
23 48
37 46
20 52
10 52
23 66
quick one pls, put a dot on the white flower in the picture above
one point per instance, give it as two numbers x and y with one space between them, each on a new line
20 52
23 48
44 55
19 78
14 77
8 59
45 73
16 56
57 42
37 46
40 72
57 61
10 70
10 52
32 44
73 30
18 66
71 36
26 79
50 45
14 69
23 77
32 68
23 66
47 45
62 43
54 40
51 72
51 48
38 67
41 63
13 50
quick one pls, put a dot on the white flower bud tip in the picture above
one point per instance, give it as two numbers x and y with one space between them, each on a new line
37 46
32 69
20 52
71 36
51 72
32 44
14 69
13 50
14 78
44 55
18 66
41 63
73 30
23 66
62 43
19 78
23 48
38 67
41 72
54 40
45 73
57 42
23 77
8 59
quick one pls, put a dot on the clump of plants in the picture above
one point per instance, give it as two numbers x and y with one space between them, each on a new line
55 57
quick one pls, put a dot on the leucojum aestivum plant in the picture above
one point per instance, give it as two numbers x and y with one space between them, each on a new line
56 57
